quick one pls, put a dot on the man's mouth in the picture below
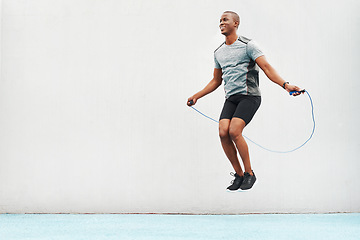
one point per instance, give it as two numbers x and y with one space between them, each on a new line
222 28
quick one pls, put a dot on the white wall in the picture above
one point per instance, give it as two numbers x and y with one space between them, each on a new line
93 115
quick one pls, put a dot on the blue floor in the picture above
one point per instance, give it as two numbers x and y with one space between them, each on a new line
139 226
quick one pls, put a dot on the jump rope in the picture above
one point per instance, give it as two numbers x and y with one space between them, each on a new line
267 149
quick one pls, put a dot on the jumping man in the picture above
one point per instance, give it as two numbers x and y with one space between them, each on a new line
236 62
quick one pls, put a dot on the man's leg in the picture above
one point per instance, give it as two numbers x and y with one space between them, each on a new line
228 145
236 128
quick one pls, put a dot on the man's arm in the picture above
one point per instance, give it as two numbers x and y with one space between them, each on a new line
274 76
210 87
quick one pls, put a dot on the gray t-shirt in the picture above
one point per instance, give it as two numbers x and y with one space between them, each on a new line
239 69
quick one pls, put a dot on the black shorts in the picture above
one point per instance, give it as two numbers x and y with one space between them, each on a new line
241 106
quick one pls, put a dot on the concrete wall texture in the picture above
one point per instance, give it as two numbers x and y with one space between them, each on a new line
93 115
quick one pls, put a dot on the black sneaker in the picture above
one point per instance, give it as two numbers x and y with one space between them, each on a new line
248 181
236 183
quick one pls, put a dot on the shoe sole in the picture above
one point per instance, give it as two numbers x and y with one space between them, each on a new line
233 191
245 189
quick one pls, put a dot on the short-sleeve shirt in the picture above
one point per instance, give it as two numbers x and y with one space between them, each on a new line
239 69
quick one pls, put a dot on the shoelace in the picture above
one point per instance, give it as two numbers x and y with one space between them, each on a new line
233 175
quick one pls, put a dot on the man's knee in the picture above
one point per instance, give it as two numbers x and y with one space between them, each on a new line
236 128
224 133
235 133
224 129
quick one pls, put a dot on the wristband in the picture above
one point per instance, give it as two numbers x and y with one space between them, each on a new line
284 84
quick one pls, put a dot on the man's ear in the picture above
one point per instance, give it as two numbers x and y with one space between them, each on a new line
237 24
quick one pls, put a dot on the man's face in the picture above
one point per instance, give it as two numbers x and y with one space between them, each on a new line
227 24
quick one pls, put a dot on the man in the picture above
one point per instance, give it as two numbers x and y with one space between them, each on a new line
236 62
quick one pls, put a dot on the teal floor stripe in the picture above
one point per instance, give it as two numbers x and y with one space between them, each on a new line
161 227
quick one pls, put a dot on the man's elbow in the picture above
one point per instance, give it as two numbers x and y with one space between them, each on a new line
218 80
267 68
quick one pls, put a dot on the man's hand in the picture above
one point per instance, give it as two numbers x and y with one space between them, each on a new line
290 88
191 101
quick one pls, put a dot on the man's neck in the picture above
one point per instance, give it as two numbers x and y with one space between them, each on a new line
230 39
